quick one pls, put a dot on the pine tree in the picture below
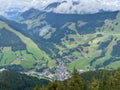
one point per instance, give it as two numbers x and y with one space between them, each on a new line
111 83
52 86
60 86
36 88
75 83
105 81
117 79
94 85
43 88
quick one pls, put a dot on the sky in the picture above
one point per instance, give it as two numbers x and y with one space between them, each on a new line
84 6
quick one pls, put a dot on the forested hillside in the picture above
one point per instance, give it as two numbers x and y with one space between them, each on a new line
10 80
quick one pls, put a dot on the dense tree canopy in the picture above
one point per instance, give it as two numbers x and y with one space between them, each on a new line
10 80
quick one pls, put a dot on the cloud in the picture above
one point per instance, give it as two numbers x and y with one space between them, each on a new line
22 5
9 5
80 6
88 6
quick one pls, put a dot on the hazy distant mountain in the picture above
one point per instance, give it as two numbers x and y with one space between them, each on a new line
58 6
52 6
12 13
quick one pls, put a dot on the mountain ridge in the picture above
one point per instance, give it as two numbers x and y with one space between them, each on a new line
89 41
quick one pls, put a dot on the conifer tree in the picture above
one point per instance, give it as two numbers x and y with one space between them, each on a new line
52 86
117 79
94 85
111 83
105 80
60 86
36 88
75 83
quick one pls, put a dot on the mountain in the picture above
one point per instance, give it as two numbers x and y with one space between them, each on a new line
52 6
40 41
18 50
12 13
82 41
11 8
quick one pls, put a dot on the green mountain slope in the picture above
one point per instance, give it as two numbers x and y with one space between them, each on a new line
40 40
97 50
25 54
81 41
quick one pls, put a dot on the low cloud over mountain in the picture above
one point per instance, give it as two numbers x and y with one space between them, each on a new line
88 6
65 6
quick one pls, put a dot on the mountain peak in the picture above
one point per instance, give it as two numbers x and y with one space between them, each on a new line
30 13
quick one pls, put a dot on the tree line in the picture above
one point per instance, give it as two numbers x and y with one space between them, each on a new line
108 80
11 80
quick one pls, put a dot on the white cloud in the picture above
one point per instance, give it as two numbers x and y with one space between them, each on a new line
22 5
88 6
84 6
